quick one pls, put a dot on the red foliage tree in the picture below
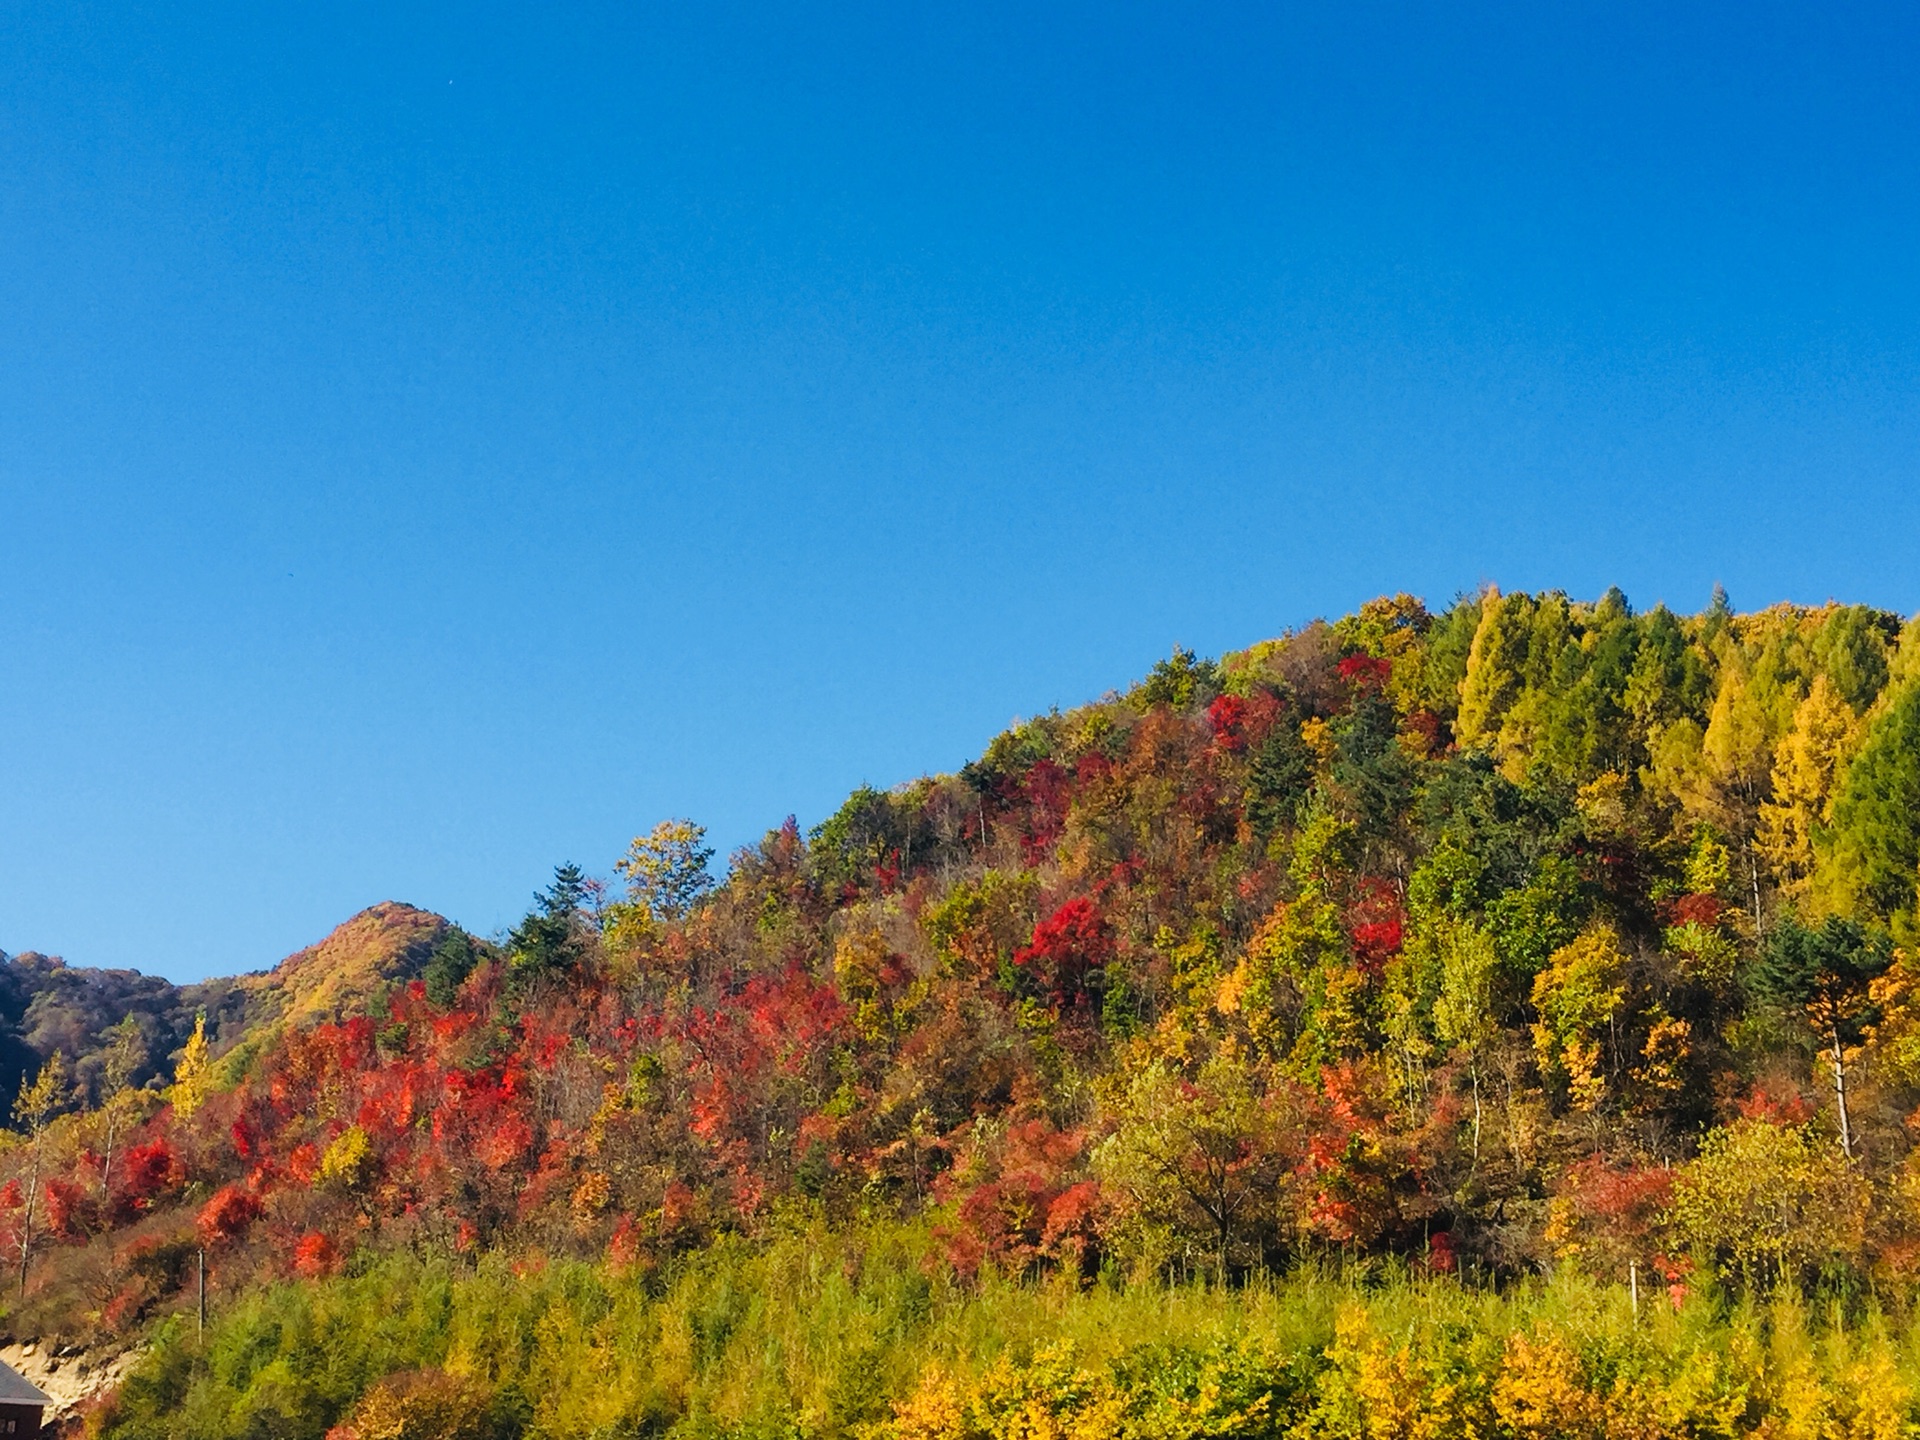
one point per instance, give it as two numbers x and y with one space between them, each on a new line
1355 1161
147 1174
69 1210
1609 1214
1366 672
1047 792
1069 947
227 1215
1760 1103
1228 716
1701 910
1375 924
1033 1208
315 1255
1092 768
1072 1233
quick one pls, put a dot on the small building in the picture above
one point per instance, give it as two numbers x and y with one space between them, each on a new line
23 1404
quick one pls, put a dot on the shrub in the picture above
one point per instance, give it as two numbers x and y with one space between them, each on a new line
1766 1203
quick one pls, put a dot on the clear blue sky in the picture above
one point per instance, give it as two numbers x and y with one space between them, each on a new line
436 443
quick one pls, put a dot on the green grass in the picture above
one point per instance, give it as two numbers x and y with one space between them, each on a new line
820 1333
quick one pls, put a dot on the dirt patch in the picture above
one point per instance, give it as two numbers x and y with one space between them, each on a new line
71 1379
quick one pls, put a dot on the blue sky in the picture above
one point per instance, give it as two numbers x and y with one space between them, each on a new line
437 442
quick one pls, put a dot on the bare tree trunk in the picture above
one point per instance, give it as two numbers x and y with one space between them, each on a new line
106 1164
1513 1129
1474 1072
1840 1093
26 1218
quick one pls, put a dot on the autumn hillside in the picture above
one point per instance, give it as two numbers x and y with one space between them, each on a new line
1499 1020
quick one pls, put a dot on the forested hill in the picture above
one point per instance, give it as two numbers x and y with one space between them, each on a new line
1531 937
48 1007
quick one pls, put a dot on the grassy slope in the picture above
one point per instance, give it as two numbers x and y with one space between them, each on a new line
823 1332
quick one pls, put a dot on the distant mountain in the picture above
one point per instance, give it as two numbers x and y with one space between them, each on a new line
382 945
47 1005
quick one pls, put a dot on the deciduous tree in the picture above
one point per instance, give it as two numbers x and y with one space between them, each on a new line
1828 973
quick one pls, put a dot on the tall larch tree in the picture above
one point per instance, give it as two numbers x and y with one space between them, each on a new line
1806 764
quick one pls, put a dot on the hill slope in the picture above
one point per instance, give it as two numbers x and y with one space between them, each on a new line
1533 936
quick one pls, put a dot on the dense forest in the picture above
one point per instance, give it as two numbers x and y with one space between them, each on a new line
1502 1021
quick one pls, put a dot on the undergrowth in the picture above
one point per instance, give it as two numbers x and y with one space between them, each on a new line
816 1332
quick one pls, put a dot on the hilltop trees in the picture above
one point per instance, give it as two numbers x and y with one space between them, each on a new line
452 961
666 870
555 934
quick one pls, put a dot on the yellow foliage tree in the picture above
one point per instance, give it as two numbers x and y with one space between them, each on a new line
423 1405
33 1109
193 1076
1893 1039
1494 667
1770 1203
1806 764
666 875
1049 1397
1391 628
667 868
1737 751
861 960
1196 1167
1576 995
1540 1393
345 1162
1415 1385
